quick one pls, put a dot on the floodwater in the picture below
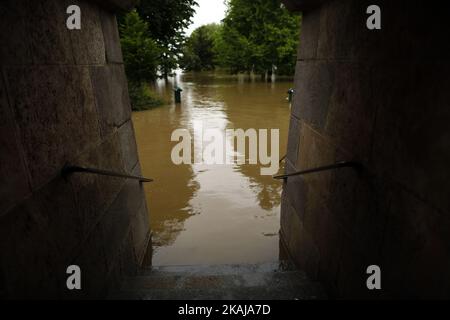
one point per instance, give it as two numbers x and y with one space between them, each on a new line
212 214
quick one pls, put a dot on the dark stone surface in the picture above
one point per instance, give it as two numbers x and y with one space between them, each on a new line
88 44
55 112
293 139
351 112
128 146
313 87
40 100
50 41
140 231
93 263
59 103
416 242
379 97
111 38
111 92
56 214
29 259
412 137
82 121
122 214
14 185
95 193
309 36
14 33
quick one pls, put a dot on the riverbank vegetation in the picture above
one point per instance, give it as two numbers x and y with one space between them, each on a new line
256 36
152 37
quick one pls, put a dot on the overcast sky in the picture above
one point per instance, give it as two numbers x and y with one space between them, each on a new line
208 11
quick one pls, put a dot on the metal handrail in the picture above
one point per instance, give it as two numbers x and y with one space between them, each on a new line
67 170
343 164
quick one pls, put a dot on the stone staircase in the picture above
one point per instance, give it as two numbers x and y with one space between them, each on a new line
268 281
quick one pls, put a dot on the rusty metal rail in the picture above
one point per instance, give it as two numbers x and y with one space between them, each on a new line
344 164
68 170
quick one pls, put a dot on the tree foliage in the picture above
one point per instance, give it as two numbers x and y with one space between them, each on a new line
167 20
141 56
255 36
199 53
258 35
140 52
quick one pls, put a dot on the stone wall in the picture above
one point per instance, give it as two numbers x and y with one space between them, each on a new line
382 98
64 99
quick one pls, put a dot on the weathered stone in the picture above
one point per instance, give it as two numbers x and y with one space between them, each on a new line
128 263
314 151
52 112
33 272
351 110
111 92
140 227
124 267
380 97
14 184
93 264
411 135
309 37
295 191
313 87
56 214
358 199
294 133
81 122
416 242
352 277
88 44
120 215
40 99
14 34
56 116
128 146
95 193
340 24
49 36
328 237
15 7
111 38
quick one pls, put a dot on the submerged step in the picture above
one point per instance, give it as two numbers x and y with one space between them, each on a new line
224 269
270 281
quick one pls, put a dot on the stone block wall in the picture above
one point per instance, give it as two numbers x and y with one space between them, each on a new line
64 99
380 97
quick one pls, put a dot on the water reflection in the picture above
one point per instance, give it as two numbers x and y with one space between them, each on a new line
211 214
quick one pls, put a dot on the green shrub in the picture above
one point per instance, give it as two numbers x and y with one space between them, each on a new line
142 98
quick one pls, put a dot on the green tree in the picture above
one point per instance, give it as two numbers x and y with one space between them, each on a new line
233 50
141 54
199 52
259 35
167 20
141 58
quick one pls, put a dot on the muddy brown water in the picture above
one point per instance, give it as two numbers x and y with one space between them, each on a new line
212 214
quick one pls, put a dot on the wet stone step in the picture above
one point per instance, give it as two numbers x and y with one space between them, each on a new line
227 269
223 282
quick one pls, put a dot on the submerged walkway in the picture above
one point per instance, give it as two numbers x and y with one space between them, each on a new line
269 281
